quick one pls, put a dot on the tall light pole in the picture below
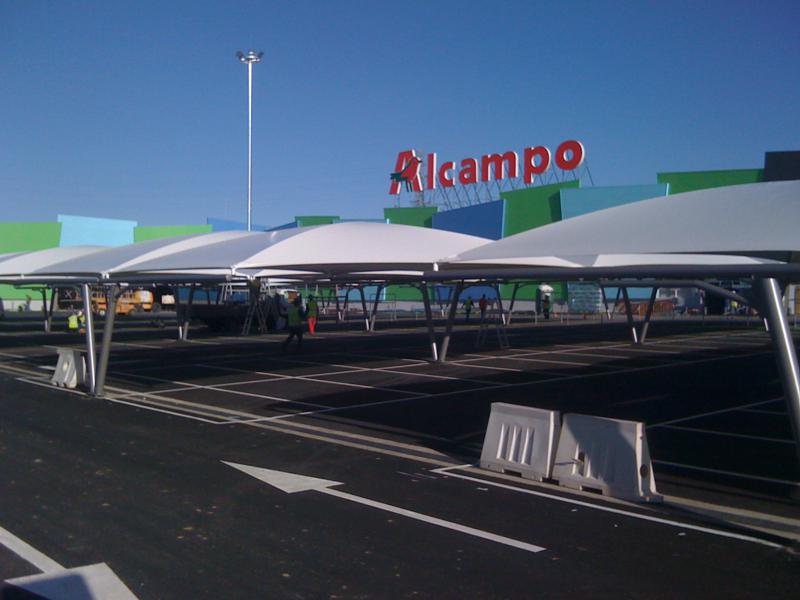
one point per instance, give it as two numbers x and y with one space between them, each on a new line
249 59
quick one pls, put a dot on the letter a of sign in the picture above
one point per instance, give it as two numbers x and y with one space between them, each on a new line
406 171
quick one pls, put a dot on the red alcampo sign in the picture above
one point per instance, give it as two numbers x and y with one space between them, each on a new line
535 161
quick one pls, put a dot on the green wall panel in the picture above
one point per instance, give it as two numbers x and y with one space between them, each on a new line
533 207
689 181
142 234
308 221
26 237
9 292
527 209
402 292
419 216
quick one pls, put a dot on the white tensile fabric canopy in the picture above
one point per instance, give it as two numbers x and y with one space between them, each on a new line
751 222
312 252
16 266
328 249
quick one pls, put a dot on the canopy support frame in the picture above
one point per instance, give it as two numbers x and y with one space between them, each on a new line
770 297
648 315
374 315
629 315
426 300
451 316
112 294
91 363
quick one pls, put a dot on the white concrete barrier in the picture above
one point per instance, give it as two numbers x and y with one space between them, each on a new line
609 455
521 439
70 369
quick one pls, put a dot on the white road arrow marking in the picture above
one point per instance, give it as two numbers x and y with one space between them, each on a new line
291 483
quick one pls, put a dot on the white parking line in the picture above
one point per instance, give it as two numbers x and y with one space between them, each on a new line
473 366
713 412
193 387
315 378
774 413
448 471
532 383
728 434
730 473
525 359
136 345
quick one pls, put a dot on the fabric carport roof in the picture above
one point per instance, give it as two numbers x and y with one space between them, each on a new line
15 267
102 264
757 220
328 249
732 232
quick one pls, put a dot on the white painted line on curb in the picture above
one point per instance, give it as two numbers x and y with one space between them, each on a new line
729 473
746 538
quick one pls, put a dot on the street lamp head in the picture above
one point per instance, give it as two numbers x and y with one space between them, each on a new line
250 57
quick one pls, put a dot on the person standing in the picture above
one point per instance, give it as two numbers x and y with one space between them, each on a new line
312 311
546 306
294 323
468 304
72 321
483 303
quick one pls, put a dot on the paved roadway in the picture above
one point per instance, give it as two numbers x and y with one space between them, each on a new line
137 480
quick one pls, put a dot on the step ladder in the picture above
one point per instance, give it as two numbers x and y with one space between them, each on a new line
500 329
256 309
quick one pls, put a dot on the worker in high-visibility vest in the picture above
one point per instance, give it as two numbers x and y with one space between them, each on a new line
294 323
72 322
312 311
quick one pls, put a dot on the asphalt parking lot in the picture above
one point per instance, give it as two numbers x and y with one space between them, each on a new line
140 480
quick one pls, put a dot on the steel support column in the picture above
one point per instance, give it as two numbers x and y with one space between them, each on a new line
605 301
511 304
426 300
347 291
629 315
86 292
179 311
105 348
772 308
364 312
47 315
648 315
373 316
500 305
451 316
187 316
53 298
338 308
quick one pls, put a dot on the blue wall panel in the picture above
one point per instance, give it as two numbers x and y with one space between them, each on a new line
82 231
580 201
485 220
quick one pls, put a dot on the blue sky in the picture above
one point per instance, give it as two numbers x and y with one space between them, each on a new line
138 110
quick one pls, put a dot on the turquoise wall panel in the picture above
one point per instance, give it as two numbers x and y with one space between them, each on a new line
82 231
576 202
